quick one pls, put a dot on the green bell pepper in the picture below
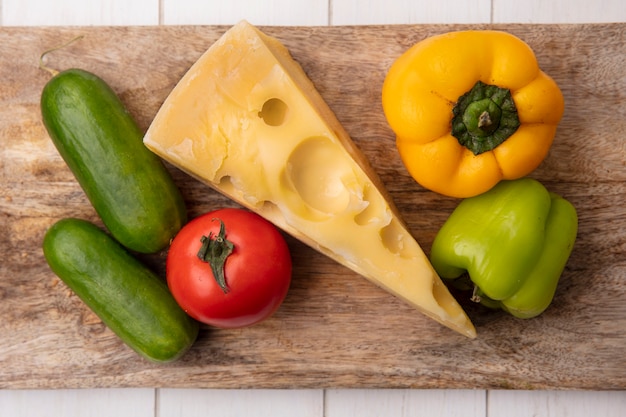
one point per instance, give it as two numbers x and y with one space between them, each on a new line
513 241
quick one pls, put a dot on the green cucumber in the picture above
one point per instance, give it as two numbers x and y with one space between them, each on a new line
129 186
129 298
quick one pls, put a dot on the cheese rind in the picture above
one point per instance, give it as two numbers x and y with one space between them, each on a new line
247 121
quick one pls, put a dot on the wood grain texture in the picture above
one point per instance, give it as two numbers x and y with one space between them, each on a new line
335 329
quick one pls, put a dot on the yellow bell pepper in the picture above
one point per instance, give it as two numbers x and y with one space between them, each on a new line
469 109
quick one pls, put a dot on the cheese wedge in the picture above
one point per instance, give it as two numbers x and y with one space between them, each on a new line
247 121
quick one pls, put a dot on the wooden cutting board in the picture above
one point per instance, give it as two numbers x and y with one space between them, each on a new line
335 329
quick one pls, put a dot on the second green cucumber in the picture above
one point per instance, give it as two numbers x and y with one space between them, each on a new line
129 298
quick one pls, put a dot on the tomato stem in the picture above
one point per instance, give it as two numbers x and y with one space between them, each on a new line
214 251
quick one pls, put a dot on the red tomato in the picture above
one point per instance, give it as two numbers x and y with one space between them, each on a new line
257 272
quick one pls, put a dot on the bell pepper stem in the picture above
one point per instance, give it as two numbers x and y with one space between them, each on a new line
484 120
476 295
484 117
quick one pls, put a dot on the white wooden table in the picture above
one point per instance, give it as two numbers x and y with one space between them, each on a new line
305 403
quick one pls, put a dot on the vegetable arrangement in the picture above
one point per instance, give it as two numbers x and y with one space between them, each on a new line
143 209
471 109
137 201
473 115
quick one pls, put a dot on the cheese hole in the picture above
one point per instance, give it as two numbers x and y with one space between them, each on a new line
316 170
396 239
375 210
226 184
274 112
